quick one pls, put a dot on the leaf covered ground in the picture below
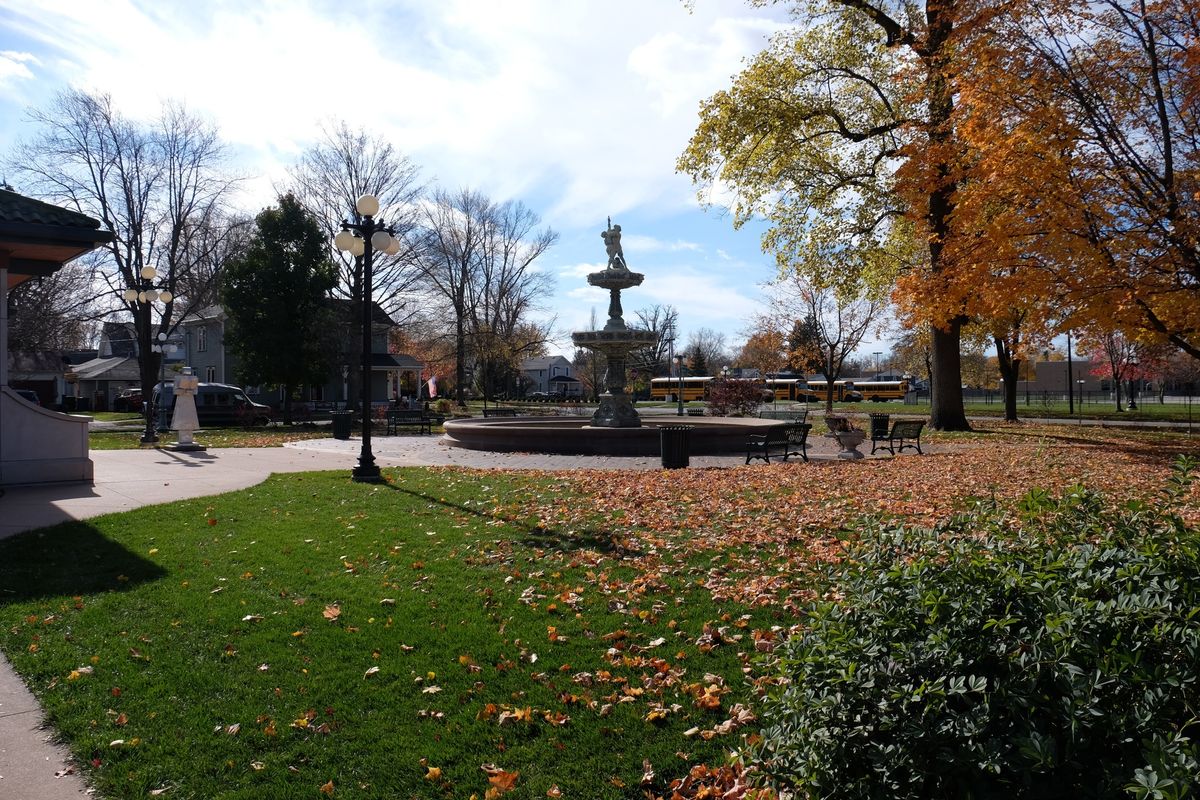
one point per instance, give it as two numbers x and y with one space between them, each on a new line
457 633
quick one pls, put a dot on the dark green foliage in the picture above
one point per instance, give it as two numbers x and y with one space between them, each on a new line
735 398
1054 654
280 325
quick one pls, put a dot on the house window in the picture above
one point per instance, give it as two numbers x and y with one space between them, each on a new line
202 339
210 373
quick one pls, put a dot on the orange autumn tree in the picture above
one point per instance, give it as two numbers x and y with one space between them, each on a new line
1083 179
842 134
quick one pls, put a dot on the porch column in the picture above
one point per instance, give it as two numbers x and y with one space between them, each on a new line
3 319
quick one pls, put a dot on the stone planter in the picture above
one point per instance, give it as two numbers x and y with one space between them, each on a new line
849 442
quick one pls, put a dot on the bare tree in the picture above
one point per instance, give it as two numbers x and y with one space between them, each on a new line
503 290
328 180
838 324
478 259
707 350
151 185
55 312
663 322
590 365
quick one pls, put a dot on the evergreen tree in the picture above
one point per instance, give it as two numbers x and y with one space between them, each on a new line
276 298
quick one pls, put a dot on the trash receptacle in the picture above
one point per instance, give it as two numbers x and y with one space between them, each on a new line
673 441
341 423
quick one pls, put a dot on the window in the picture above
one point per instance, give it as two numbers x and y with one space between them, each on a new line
202 341
210 373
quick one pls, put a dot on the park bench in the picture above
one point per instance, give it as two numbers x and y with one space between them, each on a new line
410 418
500 412
695 412
789 414
904 433
786 440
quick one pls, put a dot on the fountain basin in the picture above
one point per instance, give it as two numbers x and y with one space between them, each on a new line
576 436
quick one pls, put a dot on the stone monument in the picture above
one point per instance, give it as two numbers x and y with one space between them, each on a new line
616 340
184 420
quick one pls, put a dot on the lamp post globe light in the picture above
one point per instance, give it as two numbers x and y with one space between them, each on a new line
362 239
141 298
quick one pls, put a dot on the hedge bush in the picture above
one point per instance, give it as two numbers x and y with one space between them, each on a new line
1049 652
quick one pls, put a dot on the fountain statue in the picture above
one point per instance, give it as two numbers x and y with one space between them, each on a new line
616 340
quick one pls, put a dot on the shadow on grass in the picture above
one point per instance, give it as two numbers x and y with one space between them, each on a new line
607 542
73 558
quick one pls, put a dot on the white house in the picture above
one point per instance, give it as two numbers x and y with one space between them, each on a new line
553 375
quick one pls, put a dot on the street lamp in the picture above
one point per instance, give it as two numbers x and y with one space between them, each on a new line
878 353
1133 362
679 373
162 348
725 372
141 296
1080 383
361 239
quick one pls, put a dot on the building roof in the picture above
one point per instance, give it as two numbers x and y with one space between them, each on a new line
545 362
109 369
389 361
41 237
38 361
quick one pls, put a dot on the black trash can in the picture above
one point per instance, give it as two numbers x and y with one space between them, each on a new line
341 423
673 441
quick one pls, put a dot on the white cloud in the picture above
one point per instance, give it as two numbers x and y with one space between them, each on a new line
14 67
578 109
648 244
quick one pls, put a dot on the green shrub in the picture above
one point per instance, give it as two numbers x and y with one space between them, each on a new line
1052 652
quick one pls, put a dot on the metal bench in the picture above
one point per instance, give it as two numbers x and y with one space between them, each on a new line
879 430
408 418
500 412
695 412
782 440
903 430
789 414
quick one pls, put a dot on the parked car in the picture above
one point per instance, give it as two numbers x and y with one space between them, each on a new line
217 404
30 395
128 400
538 396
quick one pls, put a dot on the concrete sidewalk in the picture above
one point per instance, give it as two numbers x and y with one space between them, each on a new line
32 766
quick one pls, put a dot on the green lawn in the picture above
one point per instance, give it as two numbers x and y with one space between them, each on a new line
391 639
213 437
114 416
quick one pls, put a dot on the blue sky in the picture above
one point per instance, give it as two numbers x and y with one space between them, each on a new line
579 109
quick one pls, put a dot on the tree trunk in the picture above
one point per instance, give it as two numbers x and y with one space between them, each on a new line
946 402
287 404
1010 369
460 352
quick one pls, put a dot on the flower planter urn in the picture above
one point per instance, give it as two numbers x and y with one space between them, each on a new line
849 442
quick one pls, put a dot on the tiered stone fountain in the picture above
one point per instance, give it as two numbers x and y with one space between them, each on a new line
615 428
616 341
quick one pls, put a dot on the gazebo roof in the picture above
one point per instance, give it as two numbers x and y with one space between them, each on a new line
37 238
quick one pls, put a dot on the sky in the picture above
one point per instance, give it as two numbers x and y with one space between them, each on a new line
578 109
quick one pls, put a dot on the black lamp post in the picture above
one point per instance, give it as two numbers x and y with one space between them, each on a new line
1133 362
679 372
141 297
361 239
